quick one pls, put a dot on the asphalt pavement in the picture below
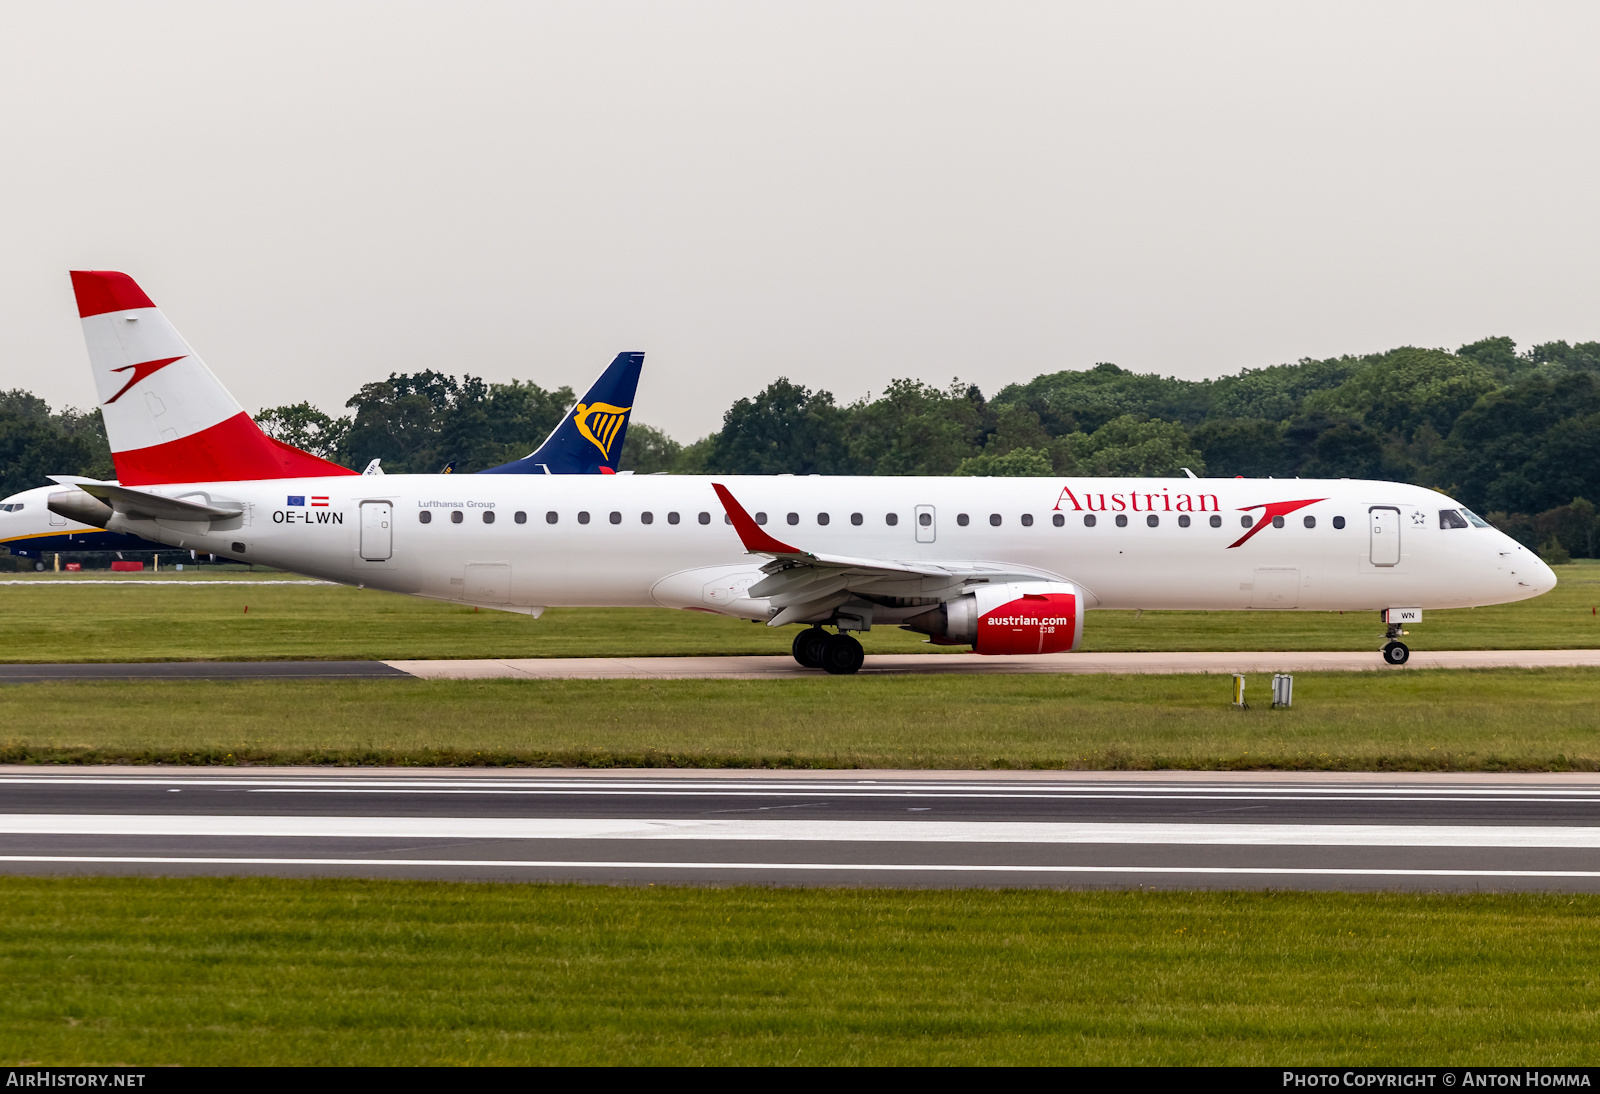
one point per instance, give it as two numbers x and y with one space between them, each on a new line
927 829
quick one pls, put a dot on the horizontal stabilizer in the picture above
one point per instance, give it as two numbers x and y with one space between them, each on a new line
142 505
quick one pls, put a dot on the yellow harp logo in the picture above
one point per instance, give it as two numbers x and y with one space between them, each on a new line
600 423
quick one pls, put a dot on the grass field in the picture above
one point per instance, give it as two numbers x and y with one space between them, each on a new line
1436 720
231 971
46 619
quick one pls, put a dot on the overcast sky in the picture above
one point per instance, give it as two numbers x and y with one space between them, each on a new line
318 194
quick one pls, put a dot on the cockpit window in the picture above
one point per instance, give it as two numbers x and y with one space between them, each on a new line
1449 518
12 506
1475 519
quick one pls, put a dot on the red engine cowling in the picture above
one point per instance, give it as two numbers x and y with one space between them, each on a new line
1032 623
1021 617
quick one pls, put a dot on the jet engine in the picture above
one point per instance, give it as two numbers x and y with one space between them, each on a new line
1020 617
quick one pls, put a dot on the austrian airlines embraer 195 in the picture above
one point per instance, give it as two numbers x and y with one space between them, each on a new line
1005 565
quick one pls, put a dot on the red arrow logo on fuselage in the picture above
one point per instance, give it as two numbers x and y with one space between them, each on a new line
140 371
1273 509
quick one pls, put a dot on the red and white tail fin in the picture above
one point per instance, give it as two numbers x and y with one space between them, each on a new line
167 417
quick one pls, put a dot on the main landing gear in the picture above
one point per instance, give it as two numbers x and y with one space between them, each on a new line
839 654
1395 652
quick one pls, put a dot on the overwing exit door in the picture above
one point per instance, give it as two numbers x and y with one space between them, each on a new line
1385 527
377 535
927 527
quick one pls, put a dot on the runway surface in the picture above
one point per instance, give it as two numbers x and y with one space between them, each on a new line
785 668
778 668
945 829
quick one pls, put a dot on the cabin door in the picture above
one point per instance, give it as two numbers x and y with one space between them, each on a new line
1384 521
377 535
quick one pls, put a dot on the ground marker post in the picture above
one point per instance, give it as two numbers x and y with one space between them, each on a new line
1238 693
1282 691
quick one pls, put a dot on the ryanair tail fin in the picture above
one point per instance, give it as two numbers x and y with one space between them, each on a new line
168 418
589 439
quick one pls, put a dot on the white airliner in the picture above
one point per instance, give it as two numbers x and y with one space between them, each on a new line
1006 565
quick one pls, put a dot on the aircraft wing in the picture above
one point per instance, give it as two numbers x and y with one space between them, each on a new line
803 584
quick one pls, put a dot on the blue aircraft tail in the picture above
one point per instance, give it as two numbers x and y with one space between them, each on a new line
589 439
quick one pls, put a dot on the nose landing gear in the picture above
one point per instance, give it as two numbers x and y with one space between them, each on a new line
1395 652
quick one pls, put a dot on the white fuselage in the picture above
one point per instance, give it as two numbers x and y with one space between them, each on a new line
664 541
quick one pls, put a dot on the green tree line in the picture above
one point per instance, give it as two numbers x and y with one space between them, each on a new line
1514 435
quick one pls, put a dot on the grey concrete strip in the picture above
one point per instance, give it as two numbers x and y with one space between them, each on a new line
200 670
783 668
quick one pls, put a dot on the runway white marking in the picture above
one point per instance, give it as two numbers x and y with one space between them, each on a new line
928 831
843 867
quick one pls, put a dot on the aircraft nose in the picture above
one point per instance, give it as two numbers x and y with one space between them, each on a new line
1544 578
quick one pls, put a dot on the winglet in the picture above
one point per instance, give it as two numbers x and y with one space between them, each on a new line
756 541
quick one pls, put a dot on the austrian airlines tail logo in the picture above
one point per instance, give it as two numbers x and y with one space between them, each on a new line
1271 509
140 371
599 422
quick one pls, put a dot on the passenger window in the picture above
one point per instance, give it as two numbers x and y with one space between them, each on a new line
1216 522
1246 521
551 517
793 518
1122 520
616 517
1152 520
1027 520
705 518
583 516
647 518
1338 522
925 519
822 519
425 517
1183 520
855 518
891 519
520 517
994 520
761 518
1310 522
455 516
672 518
1277 522
726 519
963 520
1059 521
488 516
1088 520
1449 518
